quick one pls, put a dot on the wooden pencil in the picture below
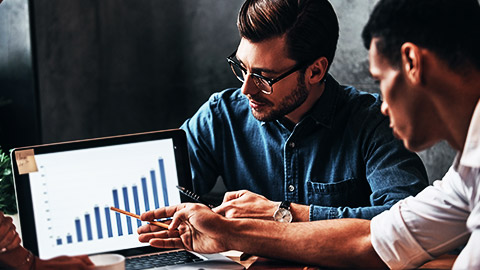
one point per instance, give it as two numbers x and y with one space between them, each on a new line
157 223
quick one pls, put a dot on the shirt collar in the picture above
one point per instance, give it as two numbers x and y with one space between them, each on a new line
471 151
323 110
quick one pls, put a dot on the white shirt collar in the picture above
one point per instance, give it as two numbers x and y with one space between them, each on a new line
471 152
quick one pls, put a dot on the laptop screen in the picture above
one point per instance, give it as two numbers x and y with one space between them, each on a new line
66 199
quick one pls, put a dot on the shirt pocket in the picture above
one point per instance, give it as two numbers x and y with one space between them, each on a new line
336 194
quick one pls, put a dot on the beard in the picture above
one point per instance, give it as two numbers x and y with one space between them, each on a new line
287 105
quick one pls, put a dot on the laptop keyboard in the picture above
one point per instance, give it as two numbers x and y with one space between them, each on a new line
162 259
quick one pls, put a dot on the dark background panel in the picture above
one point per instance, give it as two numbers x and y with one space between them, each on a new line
88 68
122 66
18 95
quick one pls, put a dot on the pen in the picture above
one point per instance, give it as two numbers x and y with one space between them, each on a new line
157 223
193 196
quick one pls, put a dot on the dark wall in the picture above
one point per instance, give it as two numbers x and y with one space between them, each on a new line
19 113
121 66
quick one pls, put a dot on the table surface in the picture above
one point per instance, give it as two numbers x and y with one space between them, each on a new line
443 262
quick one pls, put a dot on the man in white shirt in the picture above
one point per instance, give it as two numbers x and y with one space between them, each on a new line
426 56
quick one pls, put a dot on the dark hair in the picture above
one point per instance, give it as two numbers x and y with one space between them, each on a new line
311 26
448 28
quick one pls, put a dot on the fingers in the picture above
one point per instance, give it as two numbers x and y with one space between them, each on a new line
232 195
164 212
85 260
180 217
185 213
228 199
15 241
9 238
146 237
162 239
10 241
149 228
221 209
67 262
167 243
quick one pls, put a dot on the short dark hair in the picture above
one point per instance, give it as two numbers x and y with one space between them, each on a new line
311 26
448 28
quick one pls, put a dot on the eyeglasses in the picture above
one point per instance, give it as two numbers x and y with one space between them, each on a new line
263 83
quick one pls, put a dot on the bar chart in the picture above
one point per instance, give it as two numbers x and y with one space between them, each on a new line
72 199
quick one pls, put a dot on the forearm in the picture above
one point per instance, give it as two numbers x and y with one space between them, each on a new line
333 243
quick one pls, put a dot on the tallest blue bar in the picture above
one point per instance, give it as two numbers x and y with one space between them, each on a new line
164 181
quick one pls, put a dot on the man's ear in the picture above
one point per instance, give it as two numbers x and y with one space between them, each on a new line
317 70
412 62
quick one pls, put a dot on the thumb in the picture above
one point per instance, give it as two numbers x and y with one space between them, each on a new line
178 218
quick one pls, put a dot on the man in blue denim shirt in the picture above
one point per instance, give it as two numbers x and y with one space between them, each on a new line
299 137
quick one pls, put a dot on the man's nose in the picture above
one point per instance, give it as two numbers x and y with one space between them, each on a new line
249 87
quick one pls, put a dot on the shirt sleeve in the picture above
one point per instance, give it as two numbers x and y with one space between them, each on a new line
469 258
417 229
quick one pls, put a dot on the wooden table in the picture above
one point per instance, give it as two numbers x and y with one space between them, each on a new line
256 263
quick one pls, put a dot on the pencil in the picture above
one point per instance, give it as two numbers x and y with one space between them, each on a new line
157 223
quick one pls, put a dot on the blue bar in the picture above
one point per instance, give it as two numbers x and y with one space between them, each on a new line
137 204
145 193
89 227
154 188
99 222
127 208
117 215
164 181
69 239
109 221
59 241
79 230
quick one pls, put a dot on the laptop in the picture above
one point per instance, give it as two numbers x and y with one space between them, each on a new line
64 191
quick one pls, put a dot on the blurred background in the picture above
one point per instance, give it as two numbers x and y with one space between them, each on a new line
81 69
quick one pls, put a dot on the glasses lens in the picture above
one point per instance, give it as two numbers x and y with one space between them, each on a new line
262 84
239 73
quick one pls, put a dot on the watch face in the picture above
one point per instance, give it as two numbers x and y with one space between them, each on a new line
283 215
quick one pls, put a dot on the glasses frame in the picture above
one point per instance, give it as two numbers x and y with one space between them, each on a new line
231 60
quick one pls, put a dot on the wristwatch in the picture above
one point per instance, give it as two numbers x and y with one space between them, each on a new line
283 214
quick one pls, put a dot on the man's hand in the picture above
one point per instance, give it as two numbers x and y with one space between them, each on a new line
193 227
9 238
246 204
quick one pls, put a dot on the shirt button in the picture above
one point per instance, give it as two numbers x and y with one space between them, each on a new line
291 188
291 144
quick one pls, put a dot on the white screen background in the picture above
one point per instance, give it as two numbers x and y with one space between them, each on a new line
71 184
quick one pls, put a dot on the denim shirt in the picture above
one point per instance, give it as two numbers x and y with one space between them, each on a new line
341 158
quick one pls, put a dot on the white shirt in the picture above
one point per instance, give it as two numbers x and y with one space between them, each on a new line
440 218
